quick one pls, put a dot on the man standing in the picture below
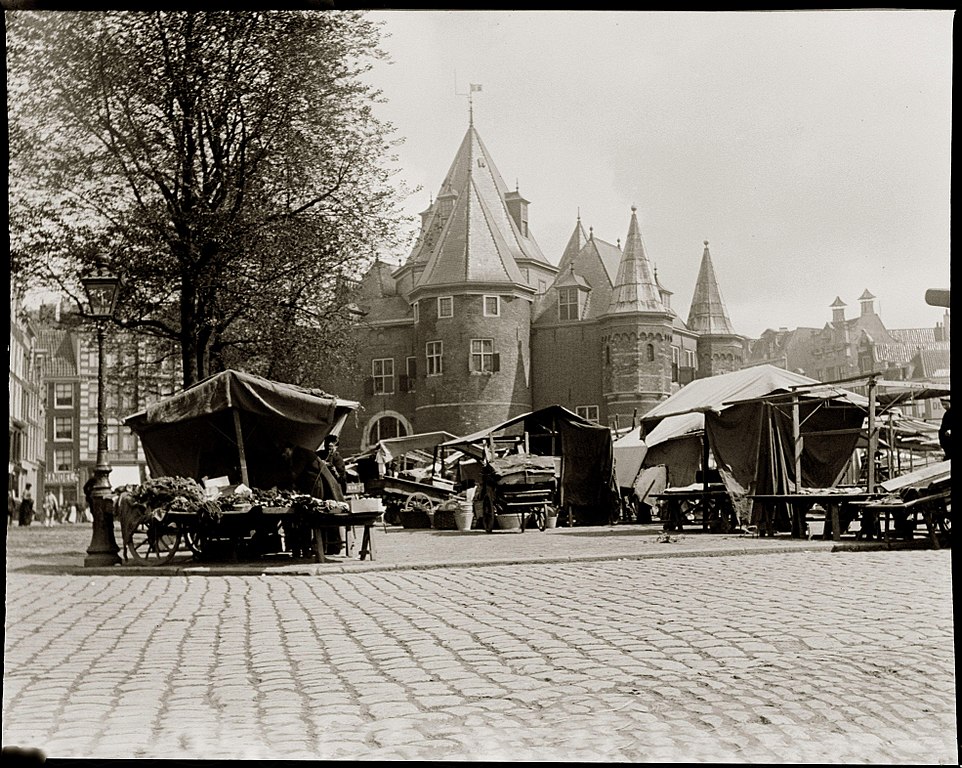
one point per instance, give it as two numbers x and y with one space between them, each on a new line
26 506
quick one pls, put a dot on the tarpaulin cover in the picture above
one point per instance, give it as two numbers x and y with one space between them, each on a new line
630 450
587 475
390 448
753 450
193 433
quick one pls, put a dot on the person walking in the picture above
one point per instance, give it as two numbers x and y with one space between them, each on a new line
51 510
26 506
13 504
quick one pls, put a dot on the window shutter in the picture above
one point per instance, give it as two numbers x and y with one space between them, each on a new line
496 362
403 382
369 386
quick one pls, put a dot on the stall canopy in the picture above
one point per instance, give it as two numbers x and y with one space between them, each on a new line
385 451
748 417
587 466
235 424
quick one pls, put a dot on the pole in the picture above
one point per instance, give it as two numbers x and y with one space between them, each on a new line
241 452
872 437
797 442
103 548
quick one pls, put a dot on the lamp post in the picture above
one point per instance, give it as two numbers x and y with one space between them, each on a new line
101 289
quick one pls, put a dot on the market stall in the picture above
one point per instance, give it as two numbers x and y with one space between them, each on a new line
228 457
587 491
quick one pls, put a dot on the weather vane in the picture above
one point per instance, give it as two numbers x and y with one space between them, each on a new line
472 88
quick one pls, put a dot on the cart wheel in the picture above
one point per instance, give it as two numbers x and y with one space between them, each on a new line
153 542
487 514
420 501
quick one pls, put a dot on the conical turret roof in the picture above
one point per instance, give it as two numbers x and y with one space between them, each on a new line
635 289
708 313
473 236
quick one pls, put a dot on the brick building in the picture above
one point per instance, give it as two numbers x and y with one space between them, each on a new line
478 326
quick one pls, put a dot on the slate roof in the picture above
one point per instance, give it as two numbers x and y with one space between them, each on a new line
708 313
479 240
634 288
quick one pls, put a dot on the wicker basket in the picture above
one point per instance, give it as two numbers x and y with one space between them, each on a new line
444 519
414 518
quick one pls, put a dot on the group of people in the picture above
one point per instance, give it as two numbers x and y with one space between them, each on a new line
50 512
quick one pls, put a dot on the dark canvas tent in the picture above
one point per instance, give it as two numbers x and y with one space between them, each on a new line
235 424
748 418
587 458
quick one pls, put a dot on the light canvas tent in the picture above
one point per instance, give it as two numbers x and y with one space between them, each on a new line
235 424
748 418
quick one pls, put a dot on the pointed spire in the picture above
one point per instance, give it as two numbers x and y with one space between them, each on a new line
635 289
708 313
479 238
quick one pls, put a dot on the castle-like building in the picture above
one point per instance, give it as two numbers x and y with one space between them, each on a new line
477 326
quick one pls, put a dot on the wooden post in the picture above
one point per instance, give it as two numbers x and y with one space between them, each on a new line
797 442
240 448
872 437
704 479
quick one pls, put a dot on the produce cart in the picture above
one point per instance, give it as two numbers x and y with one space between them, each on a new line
516 489
238 428
407 475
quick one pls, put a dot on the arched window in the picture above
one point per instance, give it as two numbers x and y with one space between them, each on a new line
651 353
385 428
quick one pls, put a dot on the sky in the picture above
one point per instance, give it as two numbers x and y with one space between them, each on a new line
811 149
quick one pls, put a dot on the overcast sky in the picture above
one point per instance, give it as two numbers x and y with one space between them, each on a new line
811 149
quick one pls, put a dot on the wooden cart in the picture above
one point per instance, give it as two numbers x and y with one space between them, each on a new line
521 485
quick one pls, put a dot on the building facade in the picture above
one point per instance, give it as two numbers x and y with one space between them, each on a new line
478 326
26 420
137 372
847 347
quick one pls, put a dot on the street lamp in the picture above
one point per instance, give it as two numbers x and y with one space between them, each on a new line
101 289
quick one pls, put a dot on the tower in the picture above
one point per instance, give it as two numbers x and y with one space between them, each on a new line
636 336
720 349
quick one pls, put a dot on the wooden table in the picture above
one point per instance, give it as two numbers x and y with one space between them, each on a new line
715 505
799 505
934 508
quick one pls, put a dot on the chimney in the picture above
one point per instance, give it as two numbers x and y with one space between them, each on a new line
838 311
518 208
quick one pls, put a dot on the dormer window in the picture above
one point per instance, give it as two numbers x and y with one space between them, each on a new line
568 304
445 306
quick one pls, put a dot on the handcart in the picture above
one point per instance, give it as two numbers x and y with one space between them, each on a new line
518 488
240 428
407 500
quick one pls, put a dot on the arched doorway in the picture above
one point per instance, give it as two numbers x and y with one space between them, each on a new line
384 426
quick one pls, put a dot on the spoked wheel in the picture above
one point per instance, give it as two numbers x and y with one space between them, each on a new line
196 541
420 502
153 542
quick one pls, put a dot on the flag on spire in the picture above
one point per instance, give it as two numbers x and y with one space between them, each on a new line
475 87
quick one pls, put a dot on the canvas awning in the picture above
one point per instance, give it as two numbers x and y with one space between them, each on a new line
389 449
235 424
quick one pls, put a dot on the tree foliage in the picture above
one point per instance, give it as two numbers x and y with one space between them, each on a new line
228 165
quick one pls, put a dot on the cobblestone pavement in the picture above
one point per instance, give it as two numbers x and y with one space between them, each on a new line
798 656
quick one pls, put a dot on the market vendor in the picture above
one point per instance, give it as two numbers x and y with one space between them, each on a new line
329 453
310 474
